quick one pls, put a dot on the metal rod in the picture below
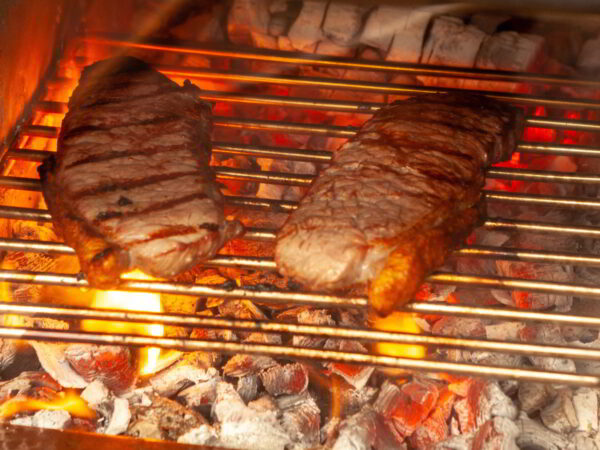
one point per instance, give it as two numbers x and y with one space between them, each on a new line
333 105
542 176
349 63
264 263
283 351
503 313
198 290
541 200
337 332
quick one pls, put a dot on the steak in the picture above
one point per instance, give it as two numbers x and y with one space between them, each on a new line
397 197
130 185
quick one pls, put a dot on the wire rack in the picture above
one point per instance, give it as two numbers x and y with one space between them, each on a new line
322 156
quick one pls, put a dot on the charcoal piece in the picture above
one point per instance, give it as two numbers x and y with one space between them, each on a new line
365 430
241 309
200 394
180 376
264 338
354 399
288 379
356 375
585 402
435 428
302 422
535 435
244 427
487 400
95 394
112 364
119 418
247 387
25 383
547 334
53 360
8 351
57 419
264 403
203 435
534 396
242 365
312 317
163 419
140 396
560 415
460 442
343 23
496 434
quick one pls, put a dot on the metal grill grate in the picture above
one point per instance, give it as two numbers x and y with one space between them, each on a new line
336 301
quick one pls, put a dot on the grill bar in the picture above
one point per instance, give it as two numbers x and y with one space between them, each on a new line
350 63
50 107
283 351
477 251
361 334
316 299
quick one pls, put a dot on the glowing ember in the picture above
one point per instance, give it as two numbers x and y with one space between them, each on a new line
69 401
403 323
130 301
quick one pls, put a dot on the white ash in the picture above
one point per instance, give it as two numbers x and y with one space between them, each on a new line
247 387
505 331
585 402
560 415
581 441
534 396
343 22
354 399
409 35
95 394
358 432
172 380
461 442
535 435
203 435
381 25
120 417
201 394
25 421
549 334
8 351
302 422
53 360
498 433
494 403
140 396
305 32
589 56
57 419
243 427
264 403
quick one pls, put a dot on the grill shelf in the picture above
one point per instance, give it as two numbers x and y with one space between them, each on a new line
318 156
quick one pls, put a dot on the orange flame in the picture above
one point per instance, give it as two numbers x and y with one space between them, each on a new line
69 401
130 301
403 323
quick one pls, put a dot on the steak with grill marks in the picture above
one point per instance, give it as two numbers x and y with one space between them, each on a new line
130 186
397 197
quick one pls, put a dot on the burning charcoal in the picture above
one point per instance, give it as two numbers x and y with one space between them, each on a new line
203 435
288 379
245 18
329 48
8 350
306 30
312 317
264 338
112 364
357 376
164 419
405 408
95 394
244 427
201 394
354 399
241 309
505 331
53 360
488 400
560 415
242 365
451 43
409 34
343 22
534 396
119 418
498 433
465 415
302 420
547 334
363 431
435 427
535 435
381 25
585 402
179 376
247 387
57 419
25 382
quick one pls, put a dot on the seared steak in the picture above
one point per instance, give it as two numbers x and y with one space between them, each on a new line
130 186
398 197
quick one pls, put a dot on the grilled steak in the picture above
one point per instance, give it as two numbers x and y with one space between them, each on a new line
398 197
130 186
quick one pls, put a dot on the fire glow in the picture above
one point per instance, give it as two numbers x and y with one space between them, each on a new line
130 301
69 401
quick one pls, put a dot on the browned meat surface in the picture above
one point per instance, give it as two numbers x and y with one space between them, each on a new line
398 197
130 186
